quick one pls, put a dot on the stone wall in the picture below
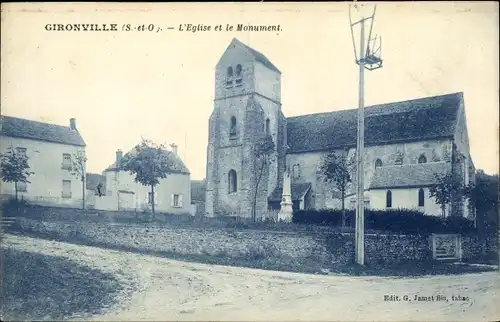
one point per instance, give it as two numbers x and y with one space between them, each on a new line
323 247
187 241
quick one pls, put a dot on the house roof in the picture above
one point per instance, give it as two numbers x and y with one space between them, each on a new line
408 175
177 165
418 119
258 56
34 130
298 192
93 179
198 190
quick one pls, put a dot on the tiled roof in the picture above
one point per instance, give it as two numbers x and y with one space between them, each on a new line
409 175
298 191
34 130
198 190
418 119
259 57
178 165
93 179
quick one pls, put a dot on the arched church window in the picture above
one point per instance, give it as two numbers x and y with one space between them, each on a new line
238 75
421 197
378 163
422 159
268 130
232 129
388 199
232 180
229 77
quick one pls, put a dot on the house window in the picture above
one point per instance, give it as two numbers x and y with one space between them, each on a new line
232 180
22 186
238 76
232 130
268 130
66 164
421 197
422 159
378 163
388 199
66 191
177 201
229 77
296 171
21 152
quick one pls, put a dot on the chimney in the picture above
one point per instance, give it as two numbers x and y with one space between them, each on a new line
119 155
174 147
72 123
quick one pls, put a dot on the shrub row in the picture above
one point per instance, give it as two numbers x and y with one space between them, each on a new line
394 220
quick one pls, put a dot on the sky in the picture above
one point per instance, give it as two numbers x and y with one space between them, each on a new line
121 86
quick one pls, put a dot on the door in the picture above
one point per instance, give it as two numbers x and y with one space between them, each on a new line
126 200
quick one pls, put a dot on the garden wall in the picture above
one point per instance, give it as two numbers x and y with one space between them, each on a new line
325 248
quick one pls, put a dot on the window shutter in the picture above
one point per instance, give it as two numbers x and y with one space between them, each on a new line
156 198
172 201
180 201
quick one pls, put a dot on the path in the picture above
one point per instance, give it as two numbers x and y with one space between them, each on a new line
162 289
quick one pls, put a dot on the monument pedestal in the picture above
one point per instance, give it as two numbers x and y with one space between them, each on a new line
286 210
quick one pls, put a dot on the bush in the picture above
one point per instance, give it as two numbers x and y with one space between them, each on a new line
13 207
394 220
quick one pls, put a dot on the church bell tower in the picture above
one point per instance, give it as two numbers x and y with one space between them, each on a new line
247 105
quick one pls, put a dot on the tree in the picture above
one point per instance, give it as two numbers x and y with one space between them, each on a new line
483 196
14 166
263 151
448 189
79 160
149 163
337 169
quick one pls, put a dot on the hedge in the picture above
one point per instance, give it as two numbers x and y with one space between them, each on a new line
394 220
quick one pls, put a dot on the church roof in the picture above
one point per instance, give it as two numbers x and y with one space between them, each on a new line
408 175
413 120
34 130
177 165
258 56
298 191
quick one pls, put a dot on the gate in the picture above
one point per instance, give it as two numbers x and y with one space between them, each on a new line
446 247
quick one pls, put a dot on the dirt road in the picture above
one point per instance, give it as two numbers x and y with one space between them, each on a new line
162 289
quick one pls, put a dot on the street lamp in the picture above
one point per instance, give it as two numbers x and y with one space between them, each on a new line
368 57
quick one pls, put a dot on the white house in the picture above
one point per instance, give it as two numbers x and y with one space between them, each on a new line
172 194
50 149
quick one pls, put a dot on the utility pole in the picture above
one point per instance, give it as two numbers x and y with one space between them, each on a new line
368 58
360 203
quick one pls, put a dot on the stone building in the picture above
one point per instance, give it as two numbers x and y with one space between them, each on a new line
51 150
406 143
119 191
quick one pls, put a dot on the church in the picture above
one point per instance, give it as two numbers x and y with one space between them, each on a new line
406 144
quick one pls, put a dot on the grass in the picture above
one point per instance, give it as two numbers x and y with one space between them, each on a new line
40 287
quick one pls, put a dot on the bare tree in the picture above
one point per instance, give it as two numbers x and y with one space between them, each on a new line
263 157
78 163
336 168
